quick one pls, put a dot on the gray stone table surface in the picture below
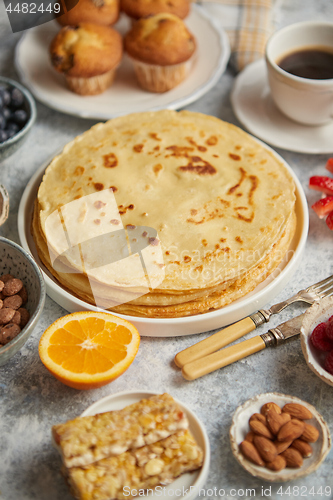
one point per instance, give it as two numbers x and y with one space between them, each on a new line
31 400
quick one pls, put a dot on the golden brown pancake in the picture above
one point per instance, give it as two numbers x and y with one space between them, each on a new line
222 205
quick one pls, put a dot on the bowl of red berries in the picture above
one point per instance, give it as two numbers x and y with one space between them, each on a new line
317 339
17 115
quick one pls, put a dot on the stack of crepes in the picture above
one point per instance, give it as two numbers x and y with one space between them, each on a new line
164 214
123 453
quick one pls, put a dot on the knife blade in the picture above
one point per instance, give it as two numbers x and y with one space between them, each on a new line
229 355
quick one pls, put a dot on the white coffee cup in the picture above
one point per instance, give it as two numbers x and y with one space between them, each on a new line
304 100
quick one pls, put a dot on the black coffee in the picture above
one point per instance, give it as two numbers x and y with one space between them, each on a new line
314 63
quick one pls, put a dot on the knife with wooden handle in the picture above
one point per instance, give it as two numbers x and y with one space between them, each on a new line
217 340
225 357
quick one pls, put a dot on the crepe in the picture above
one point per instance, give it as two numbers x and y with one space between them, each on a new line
222 207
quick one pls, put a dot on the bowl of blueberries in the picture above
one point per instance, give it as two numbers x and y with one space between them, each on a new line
17 116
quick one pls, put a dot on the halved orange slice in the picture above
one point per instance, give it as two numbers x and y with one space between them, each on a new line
86 350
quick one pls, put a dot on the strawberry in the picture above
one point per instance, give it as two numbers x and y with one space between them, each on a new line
319 339
323 206
329 221
329 363
321 183
329 165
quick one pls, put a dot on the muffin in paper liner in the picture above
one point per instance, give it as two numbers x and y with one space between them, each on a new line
156 78
88 56
162 50
104 12
138 9
93 85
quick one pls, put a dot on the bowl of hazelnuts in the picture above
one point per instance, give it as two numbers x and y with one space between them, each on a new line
22 297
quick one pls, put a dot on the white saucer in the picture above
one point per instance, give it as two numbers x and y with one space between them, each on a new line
255 109
191 482
33 65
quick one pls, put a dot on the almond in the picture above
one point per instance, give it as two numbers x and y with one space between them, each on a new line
259 417
297 411
281 445
265 448
303 447
260 429
249 451
310 434
276 421
249 437
293 458
270 406
278 464
291 430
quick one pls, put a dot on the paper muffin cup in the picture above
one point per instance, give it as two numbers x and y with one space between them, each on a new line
93 85
156 78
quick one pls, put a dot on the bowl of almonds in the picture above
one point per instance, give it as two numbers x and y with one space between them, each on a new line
278 437
22 297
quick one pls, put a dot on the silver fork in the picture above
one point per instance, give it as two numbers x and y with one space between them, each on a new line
224 337
310 295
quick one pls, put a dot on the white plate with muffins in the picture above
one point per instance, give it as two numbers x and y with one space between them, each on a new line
49 82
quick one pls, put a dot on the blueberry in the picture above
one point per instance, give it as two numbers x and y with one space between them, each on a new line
6 97
12 129
17 98
6 113
3 136
20 116
2 122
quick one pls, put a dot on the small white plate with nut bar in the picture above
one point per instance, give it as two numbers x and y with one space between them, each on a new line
279 438
188 484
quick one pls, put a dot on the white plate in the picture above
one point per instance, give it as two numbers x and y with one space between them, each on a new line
255 109
174 327
240 427
33 65
195 479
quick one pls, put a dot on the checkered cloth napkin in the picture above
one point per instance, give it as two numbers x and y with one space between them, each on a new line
248 24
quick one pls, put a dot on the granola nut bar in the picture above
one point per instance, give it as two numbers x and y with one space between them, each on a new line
85 440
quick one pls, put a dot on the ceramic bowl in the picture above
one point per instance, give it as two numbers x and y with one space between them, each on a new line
9 147
317 313
16 261
240 427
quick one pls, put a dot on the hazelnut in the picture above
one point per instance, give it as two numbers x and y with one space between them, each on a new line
6 315
25 316
8 333
12 287
13 302
6 277
16 319
23 294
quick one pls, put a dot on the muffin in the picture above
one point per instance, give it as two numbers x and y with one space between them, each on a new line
87 55
161 49
105 12
136 9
